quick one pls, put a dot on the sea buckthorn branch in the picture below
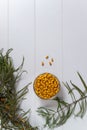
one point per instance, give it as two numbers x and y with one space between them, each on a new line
11 115
64 109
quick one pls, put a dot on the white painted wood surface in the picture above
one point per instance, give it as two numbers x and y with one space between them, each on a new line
4 24
36 28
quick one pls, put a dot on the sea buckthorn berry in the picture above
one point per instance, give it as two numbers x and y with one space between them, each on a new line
50 63
47 57
52 60
46 85
42 63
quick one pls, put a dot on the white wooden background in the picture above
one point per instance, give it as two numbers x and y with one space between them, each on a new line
36 28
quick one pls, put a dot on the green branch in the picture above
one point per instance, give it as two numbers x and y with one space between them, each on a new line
64 109
12 116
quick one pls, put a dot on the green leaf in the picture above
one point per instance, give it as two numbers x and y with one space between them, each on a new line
78 89
82 80
70 91
12 116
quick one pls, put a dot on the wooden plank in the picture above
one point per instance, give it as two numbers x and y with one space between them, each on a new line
74 37
74 49
21 39
48 36
21 29
4 24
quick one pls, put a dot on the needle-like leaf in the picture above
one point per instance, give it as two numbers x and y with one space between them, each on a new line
11 115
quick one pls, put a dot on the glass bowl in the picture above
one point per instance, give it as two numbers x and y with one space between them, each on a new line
46 85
